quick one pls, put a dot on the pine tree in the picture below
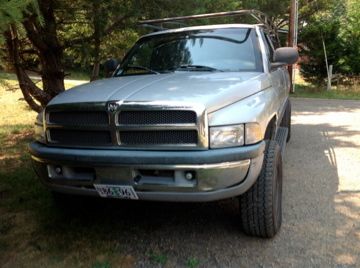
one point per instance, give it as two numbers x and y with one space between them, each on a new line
13 11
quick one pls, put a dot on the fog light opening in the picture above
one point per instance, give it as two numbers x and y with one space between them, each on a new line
58 170
137 178
189 175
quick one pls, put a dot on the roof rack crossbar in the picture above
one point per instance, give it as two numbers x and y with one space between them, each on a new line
259 16
161 27
154 27
201 16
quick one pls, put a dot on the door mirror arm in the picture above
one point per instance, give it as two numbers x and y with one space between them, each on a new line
276 65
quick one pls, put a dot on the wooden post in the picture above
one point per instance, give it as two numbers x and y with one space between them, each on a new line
292 39
329 78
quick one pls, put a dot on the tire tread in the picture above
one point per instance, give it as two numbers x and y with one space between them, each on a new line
256 205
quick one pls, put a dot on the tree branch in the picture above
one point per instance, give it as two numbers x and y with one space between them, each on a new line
33 33
28 88
116 24
29 51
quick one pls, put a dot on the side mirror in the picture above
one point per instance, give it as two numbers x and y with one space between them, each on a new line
285 56
110 66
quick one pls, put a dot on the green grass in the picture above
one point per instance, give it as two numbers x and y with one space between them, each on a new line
9 76
158 258
102 264
192 263
309 91
70 75
77 75
8 81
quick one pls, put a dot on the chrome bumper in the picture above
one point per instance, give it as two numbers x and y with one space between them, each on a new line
235 173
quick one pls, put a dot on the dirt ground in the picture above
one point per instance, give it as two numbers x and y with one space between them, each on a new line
321 209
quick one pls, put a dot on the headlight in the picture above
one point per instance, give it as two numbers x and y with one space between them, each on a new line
235 135
39 127
253 133
227 136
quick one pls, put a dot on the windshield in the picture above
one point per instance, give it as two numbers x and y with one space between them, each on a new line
223 50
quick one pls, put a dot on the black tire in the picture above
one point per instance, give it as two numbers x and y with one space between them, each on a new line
286 121
261 205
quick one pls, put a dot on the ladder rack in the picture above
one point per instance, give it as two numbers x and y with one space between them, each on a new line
260 17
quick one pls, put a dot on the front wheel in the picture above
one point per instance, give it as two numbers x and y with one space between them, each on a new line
286 121
261 205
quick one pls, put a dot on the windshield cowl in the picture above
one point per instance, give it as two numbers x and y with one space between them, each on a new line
197 68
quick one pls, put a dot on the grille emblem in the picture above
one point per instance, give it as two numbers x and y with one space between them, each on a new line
112 107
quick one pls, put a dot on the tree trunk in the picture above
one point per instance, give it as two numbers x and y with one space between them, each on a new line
95 71
52 71
44 39
96 67
34 96
97 40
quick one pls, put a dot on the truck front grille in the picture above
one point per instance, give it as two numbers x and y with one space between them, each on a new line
156 117
133 125
80 118
158 137
80 137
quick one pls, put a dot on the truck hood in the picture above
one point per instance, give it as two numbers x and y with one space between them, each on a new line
213 90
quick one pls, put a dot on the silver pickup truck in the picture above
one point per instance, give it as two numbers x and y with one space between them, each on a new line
190 115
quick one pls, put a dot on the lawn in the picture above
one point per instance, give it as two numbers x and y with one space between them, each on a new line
306 90
310 91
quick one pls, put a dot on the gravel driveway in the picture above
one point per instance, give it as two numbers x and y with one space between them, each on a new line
321 223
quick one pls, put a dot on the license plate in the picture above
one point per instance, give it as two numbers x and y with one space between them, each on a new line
116 191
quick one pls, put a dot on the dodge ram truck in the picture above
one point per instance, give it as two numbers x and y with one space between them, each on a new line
192 114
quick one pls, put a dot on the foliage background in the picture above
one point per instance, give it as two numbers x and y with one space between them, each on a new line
338 26
87 33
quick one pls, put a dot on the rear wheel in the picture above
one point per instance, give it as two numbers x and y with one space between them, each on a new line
261 205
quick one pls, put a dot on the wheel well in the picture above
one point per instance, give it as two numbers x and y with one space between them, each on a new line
270 129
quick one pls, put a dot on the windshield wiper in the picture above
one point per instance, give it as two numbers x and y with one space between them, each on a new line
191 67
138 67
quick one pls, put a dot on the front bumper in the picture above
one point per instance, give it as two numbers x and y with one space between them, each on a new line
155 175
